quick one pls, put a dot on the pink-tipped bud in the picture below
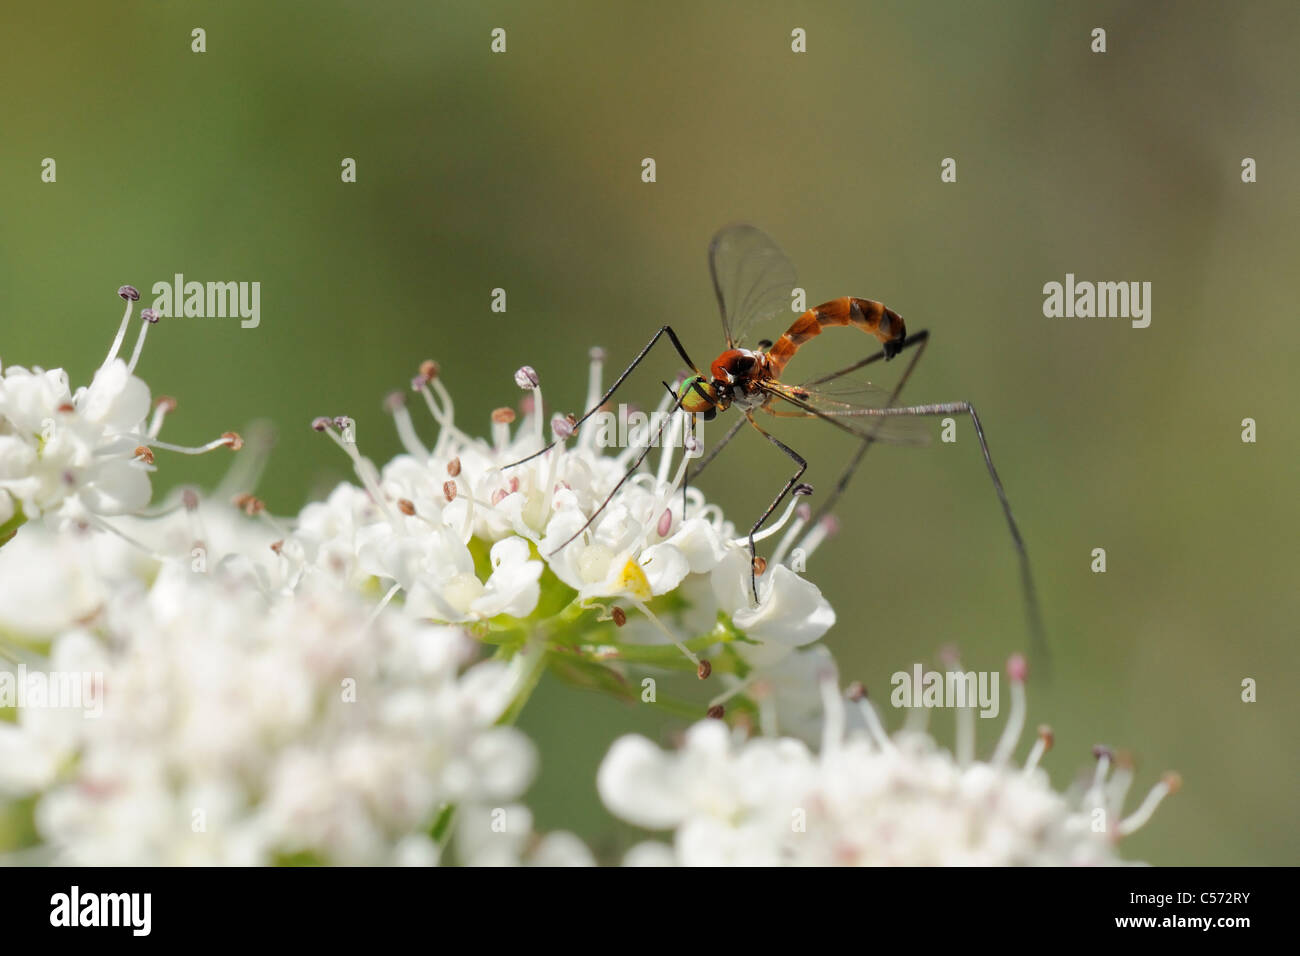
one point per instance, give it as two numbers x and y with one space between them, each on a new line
665 523
831 525
190 498
393 401
1017 668
803 512
597 354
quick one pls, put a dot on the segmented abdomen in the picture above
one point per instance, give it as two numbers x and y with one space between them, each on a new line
870 316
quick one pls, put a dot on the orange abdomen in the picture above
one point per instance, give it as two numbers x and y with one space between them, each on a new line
870 316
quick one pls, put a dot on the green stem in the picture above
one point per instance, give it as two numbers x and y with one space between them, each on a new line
534 658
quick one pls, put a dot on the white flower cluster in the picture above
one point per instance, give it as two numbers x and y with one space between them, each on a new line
415 526
865 799
311 689
237 731
78 456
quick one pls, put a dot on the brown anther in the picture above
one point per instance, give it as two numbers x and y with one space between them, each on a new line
278 546
449 490
619 615
857 691
249 504
503 416
704 670
143 453
760 564
233 440
716 712
406 506
1046 735
67 407
453 467
429 370
165 402
1125 759
1173 780
190 498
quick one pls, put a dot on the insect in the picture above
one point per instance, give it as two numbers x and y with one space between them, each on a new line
754 281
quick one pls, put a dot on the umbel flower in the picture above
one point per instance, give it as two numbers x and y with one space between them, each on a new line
314 689
75 457
557 548
866 798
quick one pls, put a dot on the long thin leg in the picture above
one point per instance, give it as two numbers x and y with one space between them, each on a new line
794 479
713 451
664 330
1032 609
919 339
655 443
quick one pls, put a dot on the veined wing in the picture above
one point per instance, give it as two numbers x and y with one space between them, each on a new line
752 279
851 406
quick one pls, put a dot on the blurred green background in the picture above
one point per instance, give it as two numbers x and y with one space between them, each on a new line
522 171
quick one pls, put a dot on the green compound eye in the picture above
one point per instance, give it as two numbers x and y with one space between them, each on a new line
697 395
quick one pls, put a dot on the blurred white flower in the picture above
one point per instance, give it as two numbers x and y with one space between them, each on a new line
241 731
864 799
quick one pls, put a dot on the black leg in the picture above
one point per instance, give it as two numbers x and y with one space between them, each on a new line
803 466
918 339
677 344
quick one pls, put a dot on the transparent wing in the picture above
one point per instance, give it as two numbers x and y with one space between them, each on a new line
853 405
753 281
